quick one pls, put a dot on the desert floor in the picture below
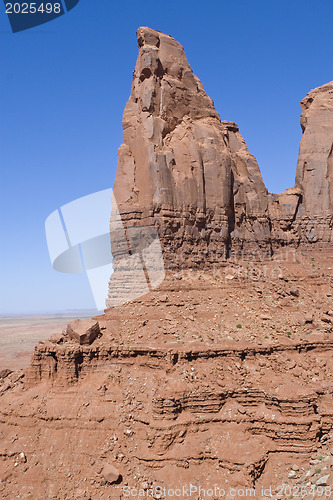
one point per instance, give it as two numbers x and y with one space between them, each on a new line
20 334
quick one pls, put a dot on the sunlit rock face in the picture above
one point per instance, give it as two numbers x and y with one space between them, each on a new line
191 176
180 167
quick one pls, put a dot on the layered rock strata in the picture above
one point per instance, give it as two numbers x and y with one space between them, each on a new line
208 381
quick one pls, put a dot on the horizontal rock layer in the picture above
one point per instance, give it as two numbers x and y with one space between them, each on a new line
166 422
204 377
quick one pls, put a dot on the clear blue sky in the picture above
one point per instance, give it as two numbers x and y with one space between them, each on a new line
64 86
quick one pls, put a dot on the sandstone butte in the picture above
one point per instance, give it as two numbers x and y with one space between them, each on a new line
222 375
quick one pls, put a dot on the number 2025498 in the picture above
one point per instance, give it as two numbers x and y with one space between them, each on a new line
33 8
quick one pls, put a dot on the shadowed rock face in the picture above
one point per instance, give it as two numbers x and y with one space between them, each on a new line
189 174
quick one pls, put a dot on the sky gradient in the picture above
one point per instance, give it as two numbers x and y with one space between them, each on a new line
64 86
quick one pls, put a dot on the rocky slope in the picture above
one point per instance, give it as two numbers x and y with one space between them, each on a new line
218 379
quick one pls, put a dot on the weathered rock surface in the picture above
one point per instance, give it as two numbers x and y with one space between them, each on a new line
304 214
180 168
189 174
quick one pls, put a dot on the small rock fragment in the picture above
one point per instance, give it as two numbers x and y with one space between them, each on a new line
56 338
294 291
111 474
322 481
308 318
20 459
4 373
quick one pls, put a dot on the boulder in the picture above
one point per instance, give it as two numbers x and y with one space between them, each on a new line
308 318
56 338
83 331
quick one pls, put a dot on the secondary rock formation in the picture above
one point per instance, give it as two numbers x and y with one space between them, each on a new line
314 174
190 175
304 214
315 163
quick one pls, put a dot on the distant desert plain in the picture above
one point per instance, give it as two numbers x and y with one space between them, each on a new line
20 334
